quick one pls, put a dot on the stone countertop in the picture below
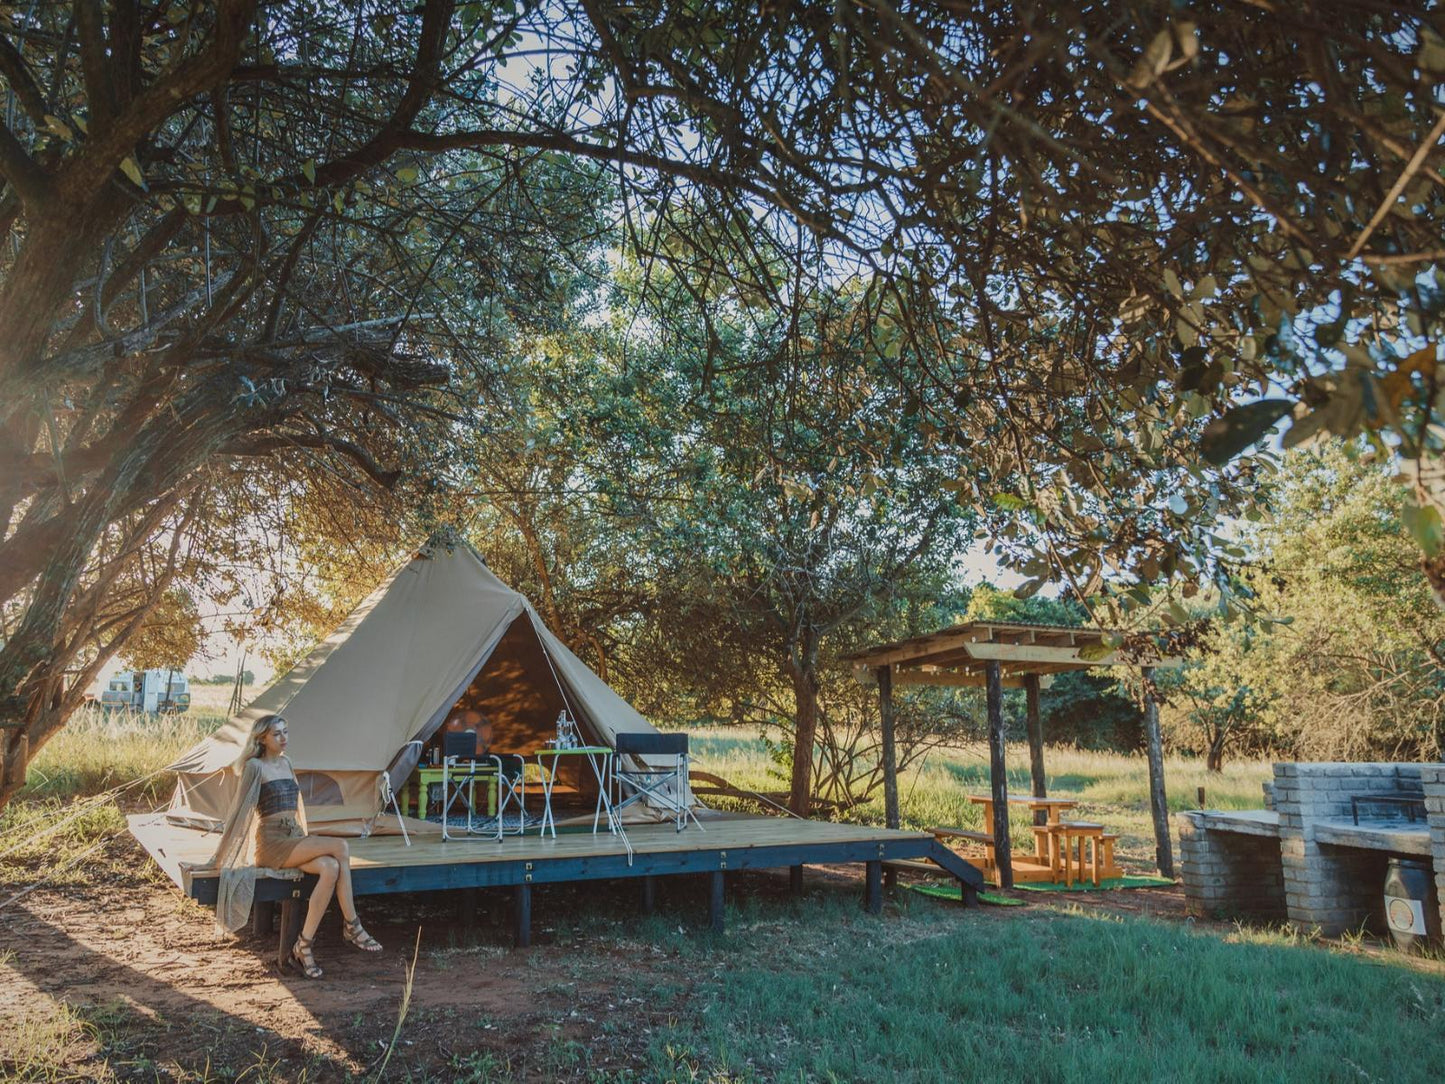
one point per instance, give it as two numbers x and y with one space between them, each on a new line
1397 836
1248 822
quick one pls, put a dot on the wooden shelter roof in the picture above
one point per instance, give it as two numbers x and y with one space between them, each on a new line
958 655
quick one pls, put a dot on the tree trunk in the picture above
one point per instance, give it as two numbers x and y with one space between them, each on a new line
998 777
804 672
1214 756
1158 803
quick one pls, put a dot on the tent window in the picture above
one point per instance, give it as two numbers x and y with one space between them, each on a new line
318 788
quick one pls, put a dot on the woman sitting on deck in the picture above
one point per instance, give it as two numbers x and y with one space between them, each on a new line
266 829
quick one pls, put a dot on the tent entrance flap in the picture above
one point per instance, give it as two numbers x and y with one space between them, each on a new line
517 692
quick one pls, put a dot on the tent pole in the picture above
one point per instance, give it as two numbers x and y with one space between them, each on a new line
890 752
998 776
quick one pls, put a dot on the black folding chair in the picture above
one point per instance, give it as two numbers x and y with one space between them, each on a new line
663 787
459 755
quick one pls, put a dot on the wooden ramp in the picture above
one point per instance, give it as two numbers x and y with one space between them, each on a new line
725 843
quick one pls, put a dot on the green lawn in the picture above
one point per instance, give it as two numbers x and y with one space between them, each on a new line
812 989
1045 996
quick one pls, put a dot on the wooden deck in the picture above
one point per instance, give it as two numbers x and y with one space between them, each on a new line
725 843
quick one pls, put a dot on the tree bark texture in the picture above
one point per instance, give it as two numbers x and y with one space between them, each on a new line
804 667
998 776
1158 803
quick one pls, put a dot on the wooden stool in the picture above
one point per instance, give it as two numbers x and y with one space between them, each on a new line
1107 839
1066 833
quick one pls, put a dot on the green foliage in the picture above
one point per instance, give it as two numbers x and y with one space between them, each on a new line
1088 709
1351 668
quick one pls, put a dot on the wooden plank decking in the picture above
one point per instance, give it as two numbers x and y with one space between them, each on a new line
726 843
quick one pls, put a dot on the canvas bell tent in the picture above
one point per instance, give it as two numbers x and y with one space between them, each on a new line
440 632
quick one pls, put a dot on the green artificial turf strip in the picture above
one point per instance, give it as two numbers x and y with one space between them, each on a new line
951 892
1131 881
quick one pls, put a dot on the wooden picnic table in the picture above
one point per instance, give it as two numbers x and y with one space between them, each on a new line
1052 859
1043 864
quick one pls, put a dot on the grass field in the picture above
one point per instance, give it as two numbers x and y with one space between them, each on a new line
803 989
97 752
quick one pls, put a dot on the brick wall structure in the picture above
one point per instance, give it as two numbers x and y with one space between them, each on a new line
1432 781
1227 872
1312 866
1328 887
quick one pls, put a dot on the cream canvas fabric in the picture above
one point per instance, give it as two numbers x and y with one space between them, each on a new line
387 677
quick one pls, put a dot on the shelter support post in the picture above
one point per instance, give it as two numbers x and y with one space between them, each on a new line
649 894
1035 725
293 915
795 880
890 750
873 897
522 916
715 901
1158 805
998 775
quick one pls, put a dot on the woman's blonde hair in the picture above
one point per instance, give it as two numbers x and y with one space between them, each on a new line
253 745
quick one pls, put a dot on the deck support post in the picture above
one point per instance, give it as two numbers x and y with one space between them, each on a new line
795 880
998 775
649 894
293 916
890 751
873 897
715 901
1035 726
522 916
466 906
262 914
1158 804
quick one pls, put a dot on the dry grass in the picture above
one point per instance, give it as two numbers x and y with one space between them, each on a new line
1109 787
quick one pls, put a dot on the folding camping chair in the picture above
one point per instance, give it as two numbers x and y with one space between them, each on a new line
459 754
664 787
511 787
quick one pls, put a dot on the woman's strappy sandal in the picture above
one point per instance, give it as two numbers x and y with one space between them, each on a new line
301 953
354 933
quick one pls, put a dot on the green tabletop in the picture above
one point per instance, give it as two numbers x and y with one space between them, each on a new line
591 749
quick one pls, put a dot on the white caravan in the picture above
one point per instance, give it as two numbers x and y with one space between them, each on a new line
165 691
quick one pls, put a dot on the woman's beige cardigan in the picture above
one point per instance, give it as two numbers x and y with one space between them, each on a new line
235 857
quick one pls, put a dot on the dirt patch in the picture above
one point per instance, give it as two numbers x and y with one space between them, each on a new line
121 978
